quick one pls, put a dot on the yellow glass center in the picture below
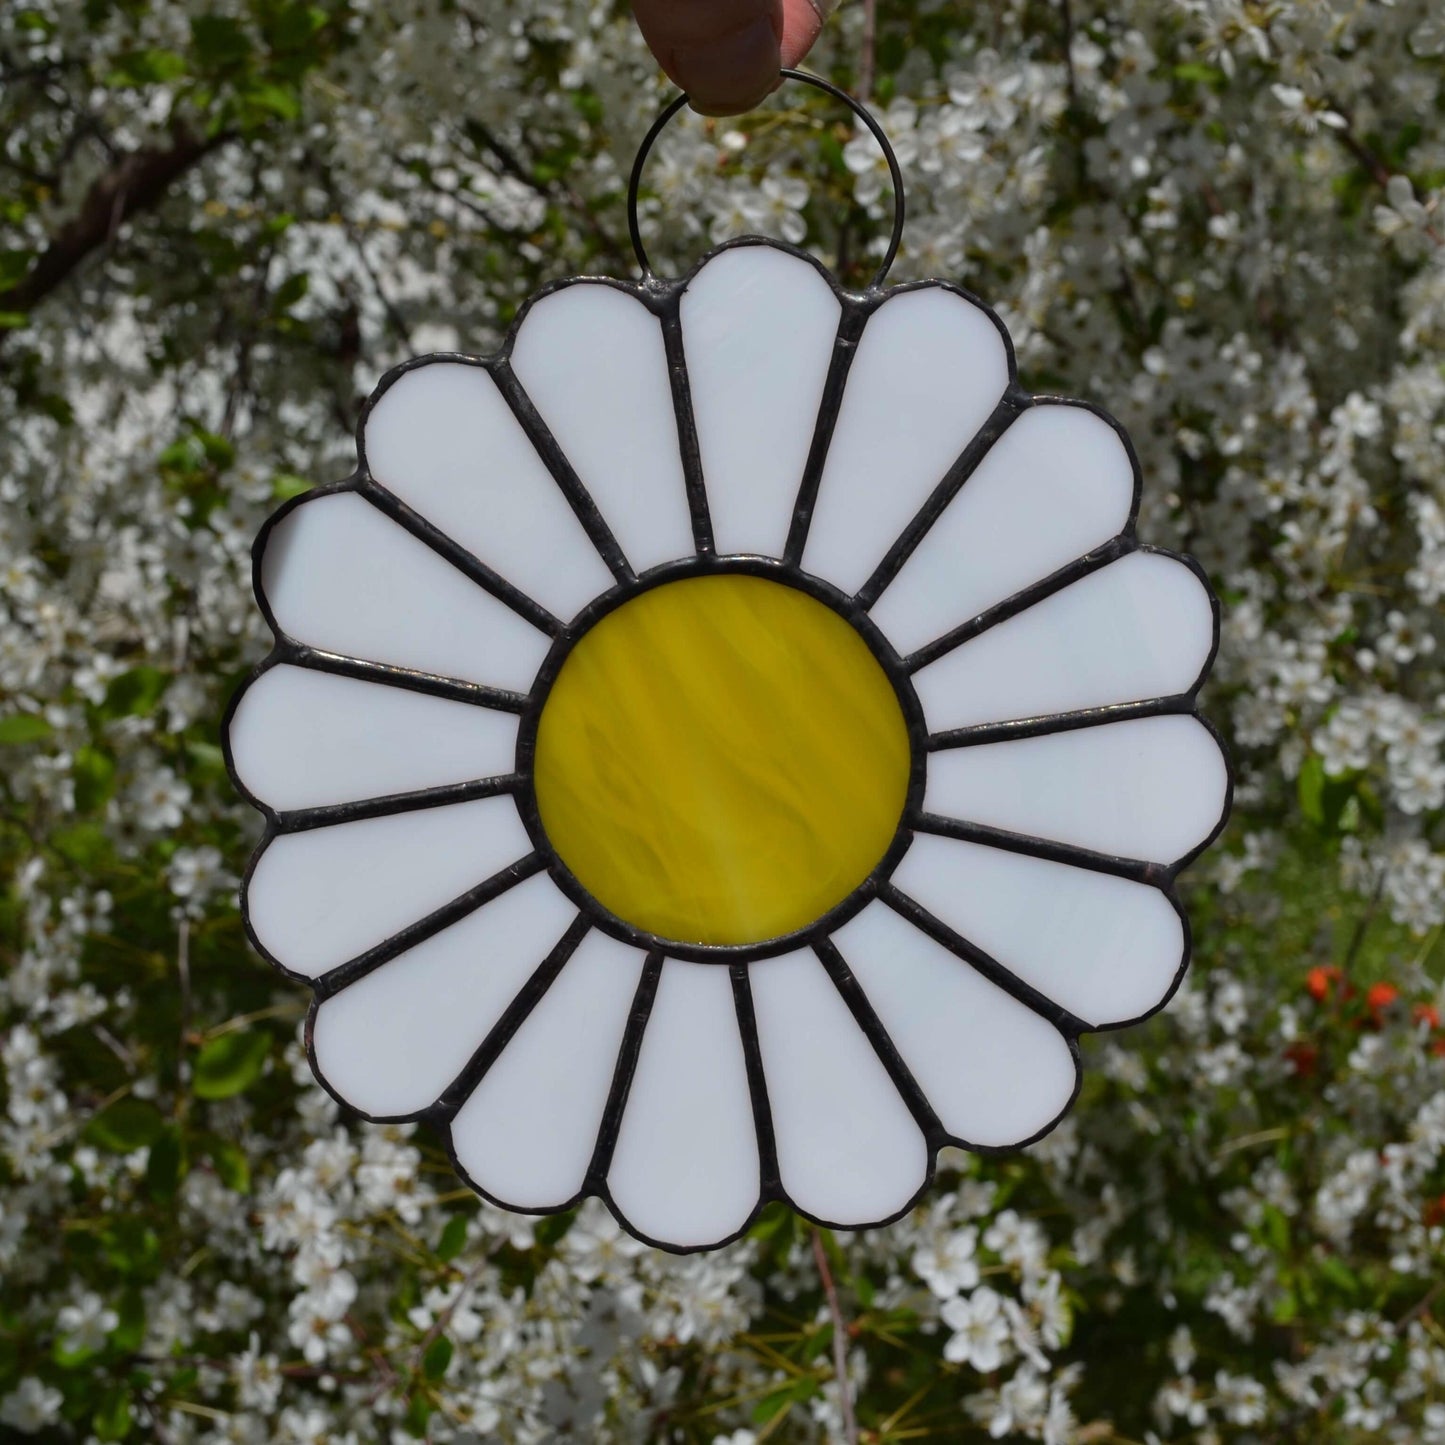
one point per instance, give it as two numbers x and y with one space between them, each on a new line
721 760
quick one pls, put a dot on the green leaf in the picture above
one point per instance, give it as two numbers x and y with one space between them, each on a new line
146 67
220 451
207 762
220 41
229 1161
1324 799
438 1356
69 1359
454 1237
230 1063
165 1166
1200 74
1311 788
112 1419
14 267
94 775
136 693
181 456
793 1393
131 1246
285 485
86 845
589 106
818 1341
772 1405
291 290
24 727
13 320
278 100
126 1125
551 1227
295 25
775 1220
129 1334
1276 1229
1339 1274
418 1412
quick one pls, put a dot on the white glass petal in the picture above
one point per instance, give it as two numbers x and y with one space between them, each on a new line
321 570
1056 484
305 739
390 1043
1139 628
685 1169
849 1148
319 898
592 360
528 1131
929 371
995 1072
1105 948
757 327
1151 788
444 440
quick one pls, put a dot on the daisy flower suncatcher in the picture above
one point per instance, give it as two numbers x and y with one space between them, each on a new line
725 747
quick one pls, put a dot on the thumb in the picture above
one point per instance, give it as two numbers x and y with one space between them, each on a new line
726 53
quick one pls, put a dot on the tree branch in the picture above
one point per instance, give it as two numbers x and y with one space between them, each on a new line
840 1341
867 59
136 184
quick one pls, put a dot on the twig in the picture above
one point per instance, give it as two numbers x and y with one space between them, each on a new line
445 1317
840 1340
1247 1141
183 968
1421 1305
867 60
1362 927
479 132
276 1011
1377 170
1066 14
41 70
137 183
396 322
160 1431
251 320
114 1045
74 1125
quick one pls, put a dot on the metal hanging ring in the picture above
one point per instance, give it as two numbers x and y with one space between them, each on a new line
818 83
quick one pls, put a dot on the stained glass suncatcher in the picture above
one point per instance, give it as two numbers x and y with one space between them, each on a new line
724 747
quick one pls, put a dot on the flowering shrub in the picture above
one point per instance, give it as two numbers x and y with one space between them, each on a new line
220 223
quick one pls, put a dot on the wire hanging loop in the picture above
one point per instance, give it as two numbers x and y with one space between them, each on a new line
818 83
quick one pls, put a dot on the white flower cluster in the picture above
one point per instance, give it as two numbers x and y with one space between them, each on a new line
1222 221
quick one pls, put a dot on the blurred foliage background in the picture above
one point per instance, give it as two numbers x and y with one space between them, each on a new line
222 220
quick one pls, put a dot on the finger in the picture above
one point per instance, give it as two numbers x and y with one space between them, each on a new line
802 24
726 53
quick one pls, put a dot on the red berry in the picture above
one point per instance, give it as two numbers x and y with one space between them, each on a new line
1381 996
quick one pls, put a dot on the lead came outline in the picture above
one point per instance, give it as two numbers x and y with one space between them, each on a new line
663 299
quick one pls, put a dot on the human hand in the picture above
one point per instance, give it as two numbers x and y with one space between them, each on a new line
726 53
